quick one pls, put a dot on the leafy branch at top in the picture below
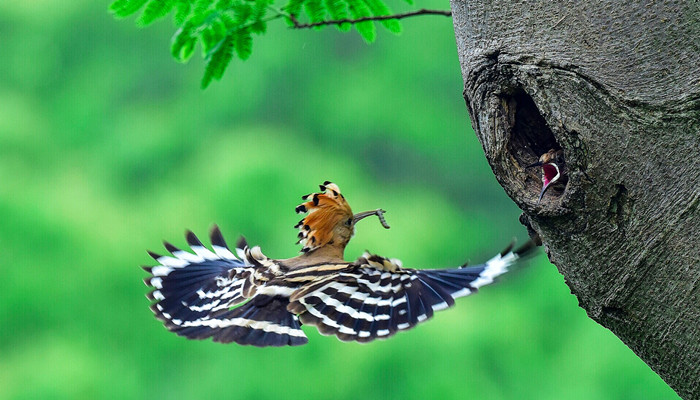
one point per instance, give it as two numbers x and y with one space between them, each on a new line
224 28
422 11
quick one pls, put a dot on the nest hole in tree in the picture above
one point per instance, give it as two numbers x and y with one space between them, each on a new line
529 138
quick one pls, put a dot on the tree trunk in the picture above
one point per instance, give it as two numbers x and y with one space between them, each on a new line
616 85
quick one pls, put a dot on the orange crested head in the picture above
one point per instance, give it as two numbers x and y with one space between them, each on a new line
330 221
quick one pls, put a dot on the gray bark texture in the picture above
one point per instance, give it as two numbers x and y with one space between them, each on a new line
616 85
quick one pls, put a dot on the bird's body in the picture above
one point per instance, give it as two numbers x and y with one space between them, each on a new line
249 298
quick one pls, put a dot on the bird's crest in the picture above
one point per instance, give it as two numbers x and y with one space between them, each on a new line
325 210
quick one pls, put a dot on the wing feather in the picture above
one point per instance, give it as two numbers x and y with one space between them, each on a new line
378 298
196 294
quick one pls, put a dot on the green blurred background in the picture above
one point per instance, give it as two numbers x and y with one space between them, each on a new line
108 146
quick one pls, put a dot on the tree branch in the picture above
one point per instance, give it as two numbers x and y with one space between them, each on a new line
423 11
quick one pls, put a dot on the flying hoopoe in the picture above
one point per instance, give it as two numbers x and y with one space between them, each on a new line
248 298
553 168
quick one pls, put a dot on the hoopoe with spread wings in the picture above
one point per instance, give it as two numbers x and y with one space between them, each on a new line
245 297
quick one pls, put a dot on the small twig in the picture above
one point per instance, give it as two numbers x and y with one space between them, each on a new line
557 23
299 25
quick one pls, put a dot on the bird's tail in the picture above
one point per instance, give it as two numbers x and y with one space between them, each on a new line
201 295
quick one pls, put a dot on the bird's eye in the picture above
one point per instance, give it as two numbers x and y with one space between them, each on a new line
348 222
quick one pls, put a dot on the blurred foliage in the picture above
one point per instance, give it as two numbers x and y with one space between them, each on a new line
107 147
224 28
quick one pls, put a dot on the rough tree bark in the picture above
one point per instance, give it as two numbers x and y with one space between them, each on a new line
616 85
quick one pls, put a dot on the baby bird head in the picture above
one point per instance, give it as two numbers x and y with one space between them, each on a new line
330 221
553 168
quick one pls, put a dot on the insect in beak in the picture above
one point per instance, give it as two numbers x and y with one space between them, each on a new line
378 212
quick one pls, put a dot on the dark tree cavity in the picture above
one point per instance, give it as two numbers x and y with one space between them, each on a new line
616 85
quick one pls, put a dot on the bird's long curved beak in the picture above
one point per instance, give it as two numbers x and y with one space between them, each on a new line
378 212
537 164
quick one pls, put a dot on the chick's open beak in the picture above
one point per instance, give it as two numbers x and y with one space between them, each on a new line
550 174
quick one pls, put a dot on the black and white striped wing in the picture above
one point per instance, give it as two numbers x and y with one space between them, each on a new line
262 321
374 302
191 286
198 295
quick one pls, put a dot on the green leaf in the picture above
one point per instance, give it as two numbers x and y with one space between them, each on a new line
260 8
188 49
182 43
229 22
218 61
202 5
259 27
219 28
338 10
294 7
124 8
182 11
367 30
243 43
212 35
155 9
201 8
242 11
378 8
315 10
223 5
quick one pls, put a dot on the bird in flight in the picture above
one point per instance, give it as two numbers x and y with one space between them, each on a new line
240 295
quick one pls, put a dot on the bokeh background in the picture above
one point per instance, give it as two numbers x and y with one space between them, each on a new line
108 146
